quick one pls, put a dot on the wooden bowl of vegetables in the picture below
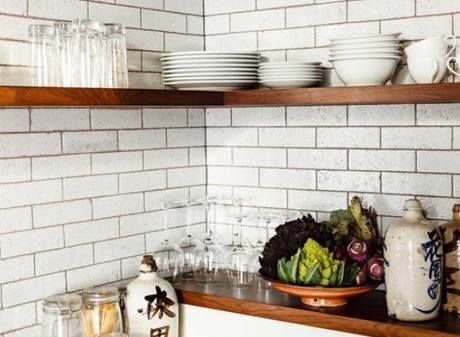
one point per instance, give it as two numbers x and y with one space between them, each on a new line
326 263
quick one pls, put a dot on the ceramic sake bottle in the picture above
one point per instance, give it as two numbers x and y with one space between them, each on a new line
413 255
151 308
451 238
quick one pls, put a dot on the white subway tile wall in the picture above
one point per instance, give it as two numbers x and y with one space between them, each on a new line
79 187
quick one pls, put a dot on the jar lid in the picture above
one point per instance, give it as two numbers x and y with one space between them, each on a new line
62 304
101 294
113 28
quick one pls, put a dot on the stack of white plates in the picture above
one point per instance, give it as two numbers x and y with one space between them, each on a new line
210 70
290 74
365 60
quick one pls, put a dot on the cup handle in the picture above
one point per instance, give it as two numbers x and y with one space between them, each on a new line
435 67
454 43
449 60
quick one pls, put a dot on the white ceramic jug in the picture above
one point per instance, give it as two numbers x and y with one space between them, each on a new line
413 266
151 308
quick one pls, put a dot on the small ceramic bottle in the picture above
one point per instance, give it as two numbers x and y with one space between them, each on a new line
150 306
413 266
451 238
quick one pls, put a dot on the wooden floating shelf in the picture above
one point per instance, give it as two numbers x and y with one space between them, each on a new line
16 96
365 314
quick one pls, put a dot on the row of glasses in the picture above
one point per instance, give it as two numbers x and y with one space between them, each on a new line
211 260
81 53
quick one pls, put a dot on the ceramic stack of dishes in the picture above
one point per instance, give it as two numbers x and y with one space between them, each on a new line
290 74
210 70
367 59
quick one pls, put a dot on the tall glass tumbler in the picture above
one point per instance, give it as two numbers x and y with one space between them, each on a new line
88 53
114 58
41 54
64 54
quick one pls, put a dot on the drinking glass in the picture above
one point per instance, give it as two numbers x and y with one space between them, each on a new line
188 244
238 261
114 60
63 54
208 255
168 255
41 54
264 221
87 64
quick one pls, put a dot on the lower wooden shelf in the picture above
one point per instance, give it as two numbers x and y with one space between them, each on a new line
363 315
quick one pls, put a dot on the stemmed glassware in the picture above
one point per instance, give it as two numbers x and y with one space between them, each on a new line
188 244
264 220
208 255
168 255
238 260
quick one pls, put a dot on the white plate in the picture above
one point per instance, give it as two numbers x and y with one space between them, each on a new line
364 43
209 52
289 83
196 75
201 61
207 57
285 78
210 78
288 64
212 85
211 65
290 71
209 70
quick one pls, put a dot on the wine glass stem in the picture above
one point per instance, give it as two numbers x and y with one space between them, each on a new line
165 217
239 228
189 218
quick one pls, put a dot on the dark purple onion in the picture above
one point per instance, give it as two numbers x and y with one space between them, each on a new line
361 278
340 253
359 250
374 268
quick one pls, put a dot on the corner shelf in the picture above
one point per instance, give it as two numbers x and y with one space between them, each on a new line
365 314
16 96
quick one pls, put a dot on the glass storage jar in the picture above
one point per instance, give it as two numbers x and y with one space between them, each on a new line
62 316
101 310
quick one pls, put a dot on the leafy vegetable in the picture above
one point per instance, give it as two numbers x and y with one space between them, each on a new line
313 265
289 237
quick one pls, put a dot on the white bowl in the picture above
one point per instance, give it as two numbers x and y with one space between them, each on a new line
365 70
364 38
389 46
366 53
289 83
366 44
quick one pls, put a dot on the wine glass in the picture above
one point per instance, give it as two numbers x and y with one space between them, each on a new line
238 261
168 255
208 255
264 221
210 203
237 213
188 244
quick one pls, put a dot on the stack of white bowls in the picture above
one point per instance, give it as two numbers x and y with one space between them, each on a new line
367 59
210 70
290 74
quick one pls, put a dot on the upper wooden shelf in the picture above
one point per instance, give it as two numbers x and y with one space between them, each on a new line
16 96
365 314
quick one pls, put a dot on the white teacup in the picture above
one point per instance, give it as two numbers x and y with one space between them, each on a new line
433 46
427 69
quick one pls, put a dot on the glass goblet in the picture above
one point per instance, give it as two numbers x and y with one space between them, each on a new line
207 263
188 244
